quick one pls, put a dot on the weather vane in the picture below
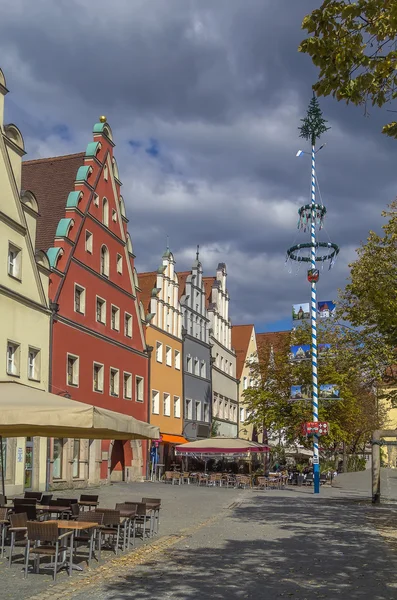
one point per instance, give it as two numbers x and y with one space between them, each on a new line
311 216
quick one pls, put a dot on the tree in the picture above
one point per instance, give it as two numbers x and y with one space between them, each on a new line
353 44
313 125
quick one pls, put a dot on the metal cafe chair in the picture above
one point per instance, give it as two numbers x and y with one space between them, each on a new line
43 539
18 529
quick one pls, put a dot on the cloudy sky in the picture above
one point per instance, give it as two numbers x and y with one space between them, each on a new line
204 99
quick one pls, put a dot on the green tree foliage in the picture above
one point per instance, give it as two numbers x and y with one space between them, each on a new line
314 124
347 365
354 45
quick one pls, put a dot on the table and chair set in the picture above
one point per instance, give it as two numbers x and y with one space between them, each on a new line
59 529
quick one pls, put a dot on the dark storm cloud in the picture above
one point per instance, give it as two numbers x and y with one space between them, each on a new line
204 99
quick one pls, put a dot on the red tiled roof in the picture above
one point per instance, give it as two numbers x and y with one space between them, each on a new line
146 281
50 180
241 336
182 282
208 283
276 339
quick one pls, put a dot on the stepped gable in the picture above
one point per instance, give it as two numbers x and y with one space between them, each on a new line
51 180
241 336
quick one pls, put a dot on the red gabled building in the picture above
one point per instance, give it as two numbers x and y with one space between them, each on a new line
98 350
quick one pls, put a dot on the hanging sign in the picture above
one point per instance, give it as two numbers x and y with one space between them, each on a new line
313 275
303 351
315 427
325 309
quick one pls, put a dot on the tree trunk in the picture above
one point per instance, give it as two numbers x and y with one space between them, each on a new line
344 467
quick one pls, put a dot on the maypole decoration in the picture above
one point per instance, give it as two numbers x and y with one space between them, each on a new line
312 216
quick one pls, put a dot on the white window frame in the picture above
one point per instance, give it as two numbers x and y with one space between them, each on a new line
206 409
114 308
203 369
119 263
242 414
168 356
127 325
198 405
96 199
76 370
104 265
114 371
128 395
14 261
139 380
177 360
196 366
159 352
13 359
166 404
114 216
189 364
103 310
189 409
177 407
155 402
105 211
34 375
89 241
101 377
82 291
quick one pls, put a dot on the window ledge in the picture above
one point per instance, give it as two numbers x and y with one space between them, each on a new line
142 401
14 375
34 379
15 277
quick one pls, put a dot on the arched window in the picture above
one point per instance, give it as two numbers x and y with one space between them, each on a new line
104 261
105 212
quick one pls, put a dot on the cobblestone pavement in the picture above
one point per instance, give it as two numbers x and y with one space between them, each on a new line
219 543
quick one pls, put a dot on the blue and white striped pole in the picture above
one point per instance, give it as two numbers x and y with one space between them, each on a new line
316 465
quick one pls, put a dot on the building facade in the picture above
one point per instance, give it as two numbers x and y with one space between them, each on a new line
196 354
160 297
224 382
24 305
244 344
98 348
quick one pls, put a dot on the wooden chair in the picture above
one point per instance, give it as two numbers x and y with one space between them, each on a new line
46 498
46 542
18 529
89 516
4 523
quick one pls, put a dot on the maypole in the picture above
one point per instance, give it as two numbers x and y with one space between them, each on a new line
313 126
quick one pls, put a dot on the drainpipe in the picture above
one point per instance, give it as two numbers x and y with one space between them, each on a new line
149 350
54 307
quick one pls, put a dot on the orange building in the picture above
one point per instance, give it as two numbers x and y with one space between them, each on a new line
160 298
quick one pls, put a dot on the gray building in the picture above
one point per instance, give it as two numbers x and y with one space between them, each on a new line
196 354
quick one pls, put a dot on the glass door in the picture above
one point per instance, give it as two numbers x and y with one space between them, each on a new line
29 464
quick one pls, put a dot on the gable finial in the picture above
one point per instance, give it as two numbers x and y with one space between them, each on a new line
168 242
198 252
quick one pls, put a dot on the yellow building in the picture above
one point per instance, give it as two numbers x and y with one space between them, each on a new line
160 298
244 345
389 453
24 310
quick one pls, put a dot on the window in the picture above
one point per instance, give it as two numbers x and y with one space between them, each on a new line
96 199
139 388
166 405
34 364
196 366
114 216
105 212
189 409
57 458
104 261
177 407
105 172
217 359
76 458
127 386
242 415
159 352
206 412
168 356
13 355
88 241
197 406
222 366
115 317
177 360
203 370
155 402
245 383
100 310
79 299
128 325
14 261
98 377
189 364
119 263
114 382
72 370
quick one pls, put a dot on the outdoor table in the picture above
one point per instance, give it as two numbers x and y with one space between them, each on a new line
87 504
54 509
75 526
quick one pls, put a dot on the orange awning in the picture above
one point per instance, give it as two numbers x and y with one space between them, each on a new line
173 439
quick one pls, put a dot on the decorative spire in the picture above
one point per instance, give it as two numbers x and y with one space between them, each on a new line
168 242
314 124
198 252
102 119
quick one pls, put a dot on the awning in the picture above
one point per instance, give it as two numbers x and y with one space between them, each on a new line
26 411
221 445
173 439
